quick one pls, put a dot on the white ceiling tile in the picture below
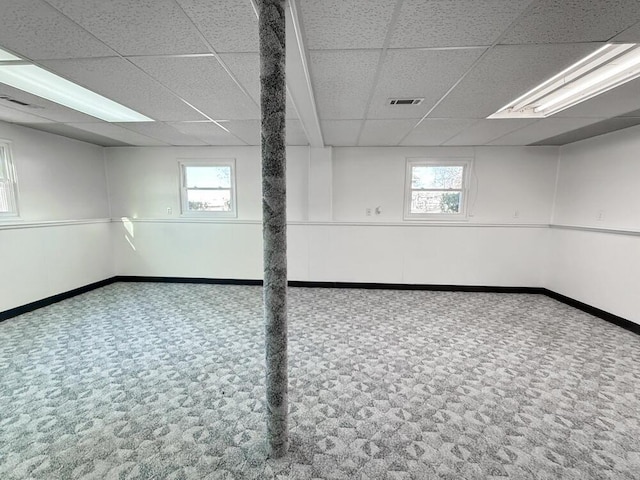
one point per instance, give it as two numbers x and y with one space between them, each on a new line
384 132
561 21
542 129
295 133
345 24
424 74
161 131
11 115
116 132
618 101
446 23
483 131
593 130
436 131
340 133
630 35
290 112
36 30
77 134
342 81
247 130
203 83
143 27
208 132
505 73
44 108
119 80
632 113
246 68
229 25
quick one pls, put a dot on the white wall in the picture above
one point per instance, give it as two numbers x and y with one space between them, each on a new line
418 254
492 248
599 192
61 239
503 180
144 181
58 178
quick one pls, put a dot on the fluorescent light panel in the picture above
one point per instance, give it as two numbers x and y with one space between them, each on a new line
606 68
8 57
38 81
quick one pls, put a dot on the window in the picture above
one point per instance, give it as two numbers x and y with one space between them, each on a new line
208 187
436 188
8 187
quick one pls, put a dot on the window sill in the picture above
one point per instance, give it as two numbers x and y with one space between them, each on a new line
437 218
209 215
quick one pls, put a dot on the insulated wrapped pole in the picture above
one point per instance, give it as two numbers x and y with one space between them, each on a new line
271 21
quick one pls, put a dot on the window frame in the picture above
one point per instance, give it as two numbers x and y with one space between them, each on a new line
206 162
465 162
12 182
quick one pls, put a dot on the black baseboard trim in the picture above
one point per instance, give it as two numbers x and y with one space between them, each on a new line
596 312
416 286
29 307
361 285
604 315
211 281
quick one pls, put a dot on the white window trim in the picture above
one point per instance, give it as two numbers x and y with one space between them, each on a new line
465 162
13 183
207 162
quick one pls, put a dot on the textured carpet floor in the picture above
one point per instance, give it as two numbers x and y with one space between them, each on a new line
154 381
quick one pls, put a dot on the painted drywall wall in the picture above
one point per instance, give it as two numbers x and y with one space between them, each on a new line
61 240
507 184
503 242
598 268
599 190
333 188
419 254
144 181
148 240
58 178
38 262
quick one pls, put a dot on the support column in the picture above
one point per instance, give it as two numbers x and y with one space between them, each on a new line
274 208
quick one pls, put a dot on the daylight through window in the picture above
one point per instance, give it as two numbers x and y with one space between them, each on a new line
208 188
436 189
8 190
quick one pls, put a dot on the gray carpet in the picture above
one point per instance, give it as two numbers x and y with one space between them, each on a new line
142 381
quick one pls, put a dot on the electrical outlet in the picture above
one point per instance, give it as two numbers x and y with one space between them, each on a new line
169 210
516 214
368 212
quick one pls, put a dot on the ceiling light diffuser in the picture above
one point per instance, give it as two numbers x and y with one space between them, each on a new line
8 57
606 68
42 83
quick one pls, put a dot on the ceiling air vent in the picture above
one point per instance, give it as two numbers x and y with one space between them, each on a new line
7 98
405 101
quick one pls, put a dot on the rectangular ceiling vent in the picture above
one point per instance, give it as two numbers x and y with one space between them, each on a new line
405 101
7 98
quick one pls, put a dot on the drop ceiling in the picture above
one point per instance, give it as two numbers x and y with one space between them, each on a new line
193 67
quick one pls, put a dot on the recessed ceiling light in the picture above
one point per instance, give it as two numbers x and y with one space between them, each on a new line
29 78
606 68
